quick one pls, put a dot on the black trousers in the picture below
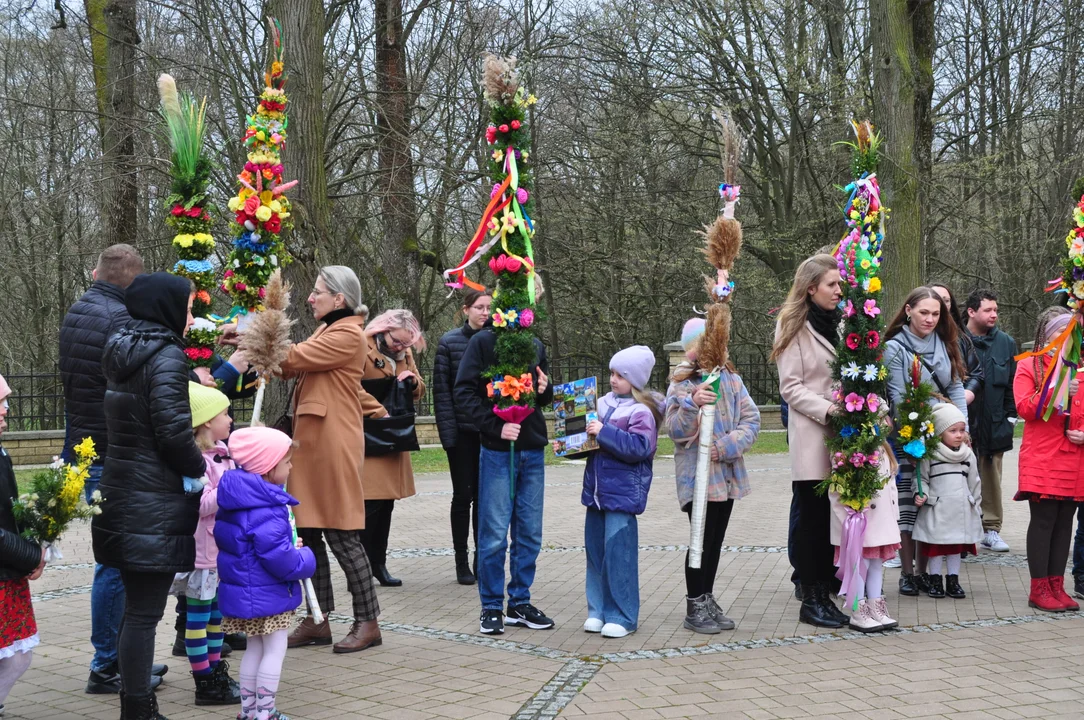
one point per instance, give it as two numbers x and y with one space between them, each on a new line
812 535
702 579
463 464
1049 535
146 594
374 538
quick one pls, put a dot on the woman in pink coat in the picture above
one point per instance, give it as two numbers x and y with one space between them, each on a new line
806 336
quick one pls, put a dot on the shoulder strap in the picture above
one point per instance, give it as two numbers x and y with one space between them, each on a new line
901 338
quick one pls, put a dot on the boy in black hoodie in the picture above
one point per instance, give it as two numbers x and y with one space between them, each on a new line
498 511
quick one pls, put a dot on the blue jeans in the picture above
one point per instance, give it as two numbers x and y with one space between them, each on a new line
498 514
106 600
613 573
1078 543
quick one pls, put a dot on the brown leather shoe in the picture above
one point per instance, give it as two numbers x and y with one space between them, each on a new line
364 634
309 633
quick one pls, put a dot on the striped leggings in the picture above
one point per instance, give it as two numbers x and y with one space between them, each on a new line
203 635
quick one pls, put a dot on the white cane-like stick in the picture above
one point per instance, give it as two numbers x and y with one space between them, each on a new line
257 405
703 477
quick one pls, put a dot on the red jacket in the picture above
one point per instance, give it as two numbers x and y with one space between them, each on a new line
1049 463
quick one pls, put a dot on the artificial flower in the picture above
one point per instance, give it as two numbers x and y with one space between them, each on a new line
905 432
858 459
263 213
850 370
491 134
177 210
522 195
854 402
870 308
839 460
848 431
874 285
873 402
503 128
498 155
853 341
526 318
252 204
873 339
515 125
870 374
848 309
916 448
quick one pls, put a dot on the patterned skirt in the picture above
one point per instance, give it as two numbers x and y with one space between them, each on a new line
18 629
905 486
199 584
258 626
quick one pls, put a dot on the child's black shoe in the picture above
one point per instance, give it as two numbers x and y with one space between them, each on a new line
937 590
907 584
952 587
922 582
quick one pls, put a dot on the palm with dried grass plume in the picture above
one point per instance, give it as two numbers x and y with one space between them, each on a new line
722 244
266 340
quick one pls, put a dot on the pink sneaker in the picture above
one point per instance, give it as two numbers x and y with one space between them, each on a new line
879 611
862 620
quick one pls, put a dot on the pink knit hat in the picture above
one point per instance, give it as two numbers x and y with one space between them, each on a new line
5 389
259 449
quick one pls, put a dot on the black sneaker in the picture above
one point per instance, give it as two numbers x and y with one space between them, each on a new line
528 616
1078 586
107 680
491 622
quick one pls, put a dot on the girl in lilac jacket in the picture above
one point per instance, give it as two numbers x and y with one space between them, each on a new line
259 564
615 486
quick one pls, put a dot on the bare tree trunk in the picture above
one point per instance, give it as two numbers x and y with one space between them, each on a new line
113 39
401 251
892 38
303 54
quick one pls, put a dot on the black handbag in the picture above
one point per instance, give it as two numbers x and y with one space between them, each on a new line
394 432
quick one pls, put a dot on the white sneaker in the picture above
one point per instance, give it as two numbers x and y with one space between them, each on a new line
894 562
613 630
593 625
992 541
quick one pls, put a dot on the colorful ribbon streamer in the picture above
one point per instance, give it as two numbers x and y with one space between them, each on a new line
1055 386
852 571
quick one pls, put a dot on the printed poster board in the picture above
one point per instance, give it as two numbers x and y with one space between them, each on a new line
574 405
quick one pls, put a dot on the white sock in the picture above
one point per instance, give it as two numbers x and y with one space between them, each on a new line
875 577
935 565
953 564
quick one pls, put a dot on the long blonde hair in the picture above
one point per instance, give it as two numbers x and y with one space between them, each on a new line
795 310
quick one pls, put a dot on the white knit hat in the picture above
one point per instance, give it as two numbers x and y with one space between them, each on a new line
945 415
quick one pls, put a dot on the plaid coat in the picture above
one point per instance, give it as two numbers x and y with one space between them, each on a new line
737 424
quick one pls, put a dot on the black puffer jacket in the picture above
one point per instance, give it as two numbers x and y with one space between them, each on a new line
91 321
18 556
147 523
451 419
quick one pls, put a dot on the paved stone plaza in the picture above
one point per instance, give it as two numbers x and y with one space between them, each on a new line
988 656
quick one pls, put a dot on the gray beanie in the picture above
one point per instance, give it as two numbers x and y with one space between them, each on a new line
634 364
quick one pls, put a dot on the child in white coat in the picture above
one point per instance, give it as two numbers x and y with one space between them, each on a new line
949 516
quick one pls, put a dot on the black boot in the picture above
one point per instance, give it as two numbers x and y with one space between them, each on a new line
907 584
463 572
140 708
380 572
813 612
218 688
936 591
952 587
830 607
178 643
922 582
237 641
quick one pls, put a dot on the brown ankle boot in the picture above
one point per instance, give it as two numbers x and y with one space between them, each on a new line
363 634
309 633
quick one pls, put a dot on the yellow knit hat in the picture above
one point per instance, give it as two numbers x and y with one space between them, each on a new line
206 403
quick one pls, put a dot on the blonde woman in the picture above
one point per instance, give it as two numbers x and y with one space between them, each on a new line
806 335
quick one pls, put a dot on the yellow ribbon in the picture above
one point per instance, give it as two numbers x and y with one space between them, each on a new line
513 175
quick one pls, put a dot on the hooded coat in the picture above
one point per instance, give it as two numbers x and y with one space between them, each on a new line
147 523
258 565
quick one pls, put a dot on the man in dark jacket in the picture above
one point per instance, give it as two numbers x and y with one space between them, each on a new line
89 323
497 510
147 525
992 414
458 433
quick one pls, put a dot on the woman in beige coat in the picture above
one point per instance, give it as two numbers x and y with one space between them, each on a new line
326 478
805 347
387 477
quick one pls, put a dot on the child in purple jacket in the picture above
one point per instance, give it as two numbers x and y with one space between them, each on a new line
615 486
259 565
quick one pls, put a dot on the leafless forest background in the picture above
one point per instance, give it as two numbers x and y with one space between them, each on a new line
979 101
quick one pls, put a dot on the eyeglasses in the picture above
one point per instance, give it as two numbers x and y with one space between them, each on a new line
396 342
323 292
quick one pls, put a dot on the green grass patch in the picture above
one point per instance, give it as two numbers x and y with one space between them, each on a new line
432 460
23 478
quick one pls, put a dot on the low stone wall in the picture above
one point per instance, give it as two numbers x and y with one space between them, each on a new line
40 447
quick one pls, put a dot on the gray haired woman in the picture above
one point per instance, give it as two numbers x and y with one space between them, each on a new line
326 477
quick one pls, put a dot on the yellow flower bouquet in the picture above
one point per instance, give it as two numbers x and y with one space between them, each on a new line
56 499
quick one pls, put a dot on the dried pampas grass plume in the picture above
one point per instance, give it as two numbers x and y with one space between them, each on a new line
500 79
714 350
266 342
722 242
167 92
